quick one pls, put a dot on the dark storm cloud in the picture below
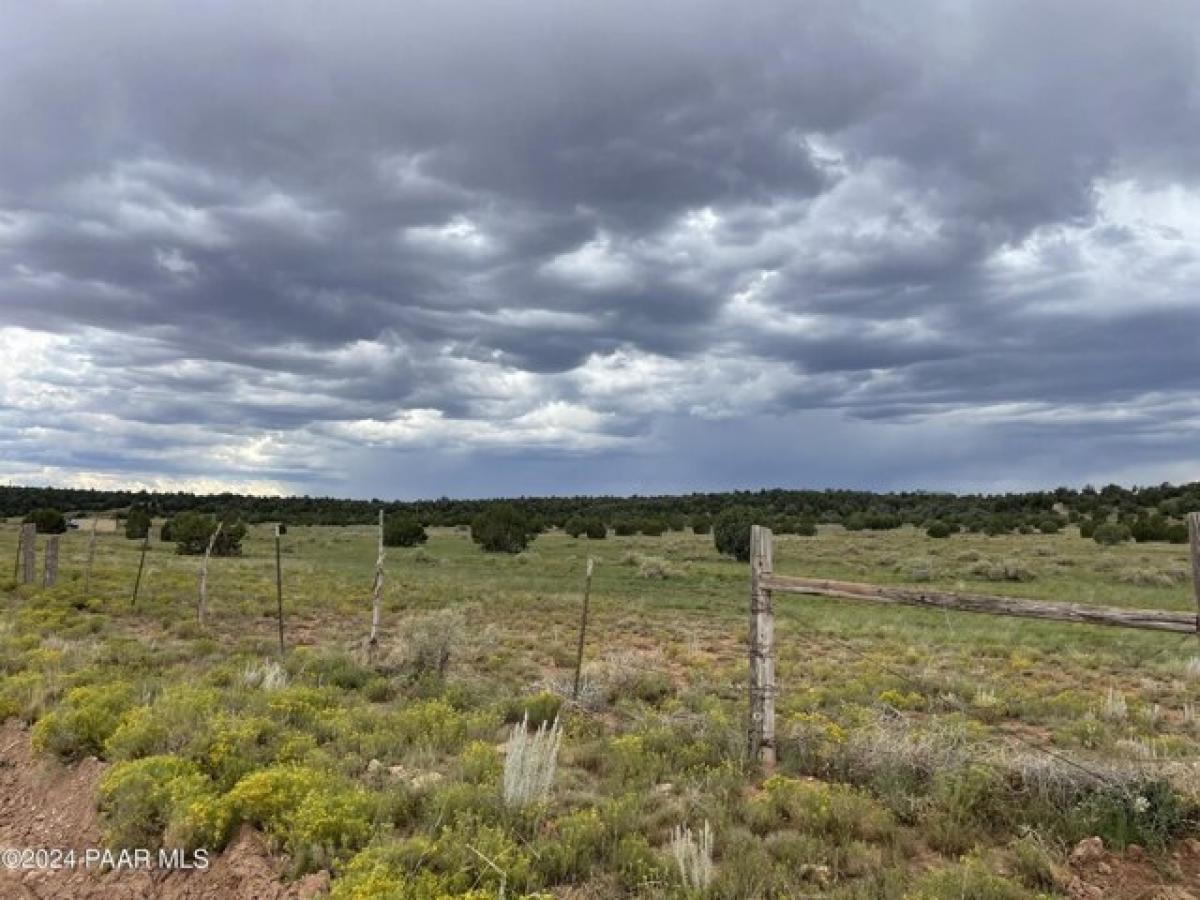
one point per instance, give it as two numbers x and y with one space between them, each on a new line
241 236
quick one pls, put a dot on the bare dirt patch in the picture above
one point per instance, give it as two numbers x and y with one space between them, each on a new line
46 805
1099 874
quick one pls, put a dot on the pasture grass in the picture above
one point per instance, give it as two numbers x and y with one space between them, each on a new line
911 741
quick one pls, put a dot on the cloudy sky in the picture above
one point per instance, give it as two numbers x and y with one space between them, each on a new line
406 249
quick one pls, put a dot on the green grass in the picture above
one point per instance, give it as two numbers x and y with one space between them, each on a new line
919 727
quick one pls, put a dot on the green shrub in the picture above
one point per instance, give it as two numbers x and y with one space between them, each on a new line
652 526
427 644
312 812
381 873
839 812
702 524
731 533
176 719
939 529
233 745
144 799
1111 533
502 528
571 847
192 530
81 725
467 860
625 528
137 523
1150 814
47 521
540 708
969 878
403 531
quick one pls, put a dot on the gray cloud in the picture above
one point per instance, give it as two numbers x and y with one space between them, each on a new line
278 246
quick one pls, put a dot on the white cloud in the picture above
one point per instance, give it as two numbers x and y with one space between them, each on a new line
595 266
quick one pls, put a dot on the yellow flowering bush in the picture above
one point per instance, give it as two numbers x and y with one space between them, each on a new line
81 725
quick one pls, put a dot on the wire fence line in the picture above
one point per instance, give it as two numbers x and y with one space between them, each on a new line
764 581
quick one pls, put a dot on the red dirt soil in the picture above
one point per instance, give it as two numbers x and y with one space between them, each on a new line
45 805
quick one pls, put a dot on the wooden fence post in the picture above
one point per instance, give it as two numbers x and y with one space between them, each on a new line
91 557
279 587
587 593
202 600
376 594
762 651
50 562
137 582
28 553
1193 521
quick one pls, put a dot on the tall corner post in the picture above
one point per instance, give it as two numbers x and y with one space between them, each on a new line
762 651
1193 521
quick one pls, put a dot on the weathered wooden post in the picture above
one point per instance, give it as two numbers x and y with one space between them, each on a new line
137 582
202 600
762 651
376 594
587 593
1193 521
279 587
28 553
50 562
91 558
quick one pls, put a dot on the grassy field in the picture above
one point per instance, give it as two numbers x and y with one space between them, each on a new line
922 754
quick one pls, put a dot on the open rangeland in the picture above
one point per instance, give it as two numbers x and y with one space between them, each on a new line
922 754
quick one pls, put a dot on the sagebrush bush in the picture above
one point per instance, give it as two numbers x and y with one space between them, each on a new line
427 643
1002 570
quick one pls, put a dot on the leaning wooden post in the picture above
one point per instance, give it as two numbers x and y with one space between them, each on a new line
762 652
279 587
376 594
202 600
1193 521
137 582
50 562
91 557
587 593
28 553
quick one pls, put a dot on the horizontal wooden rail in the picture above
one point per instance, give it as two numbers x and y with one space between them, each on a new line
1150 620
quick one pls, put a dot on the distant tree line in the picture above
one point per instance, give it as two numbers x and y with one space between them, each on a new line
1148 513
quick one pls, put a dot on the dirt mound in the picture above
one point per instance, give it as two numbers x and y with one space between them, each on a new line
1100 874
45 805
